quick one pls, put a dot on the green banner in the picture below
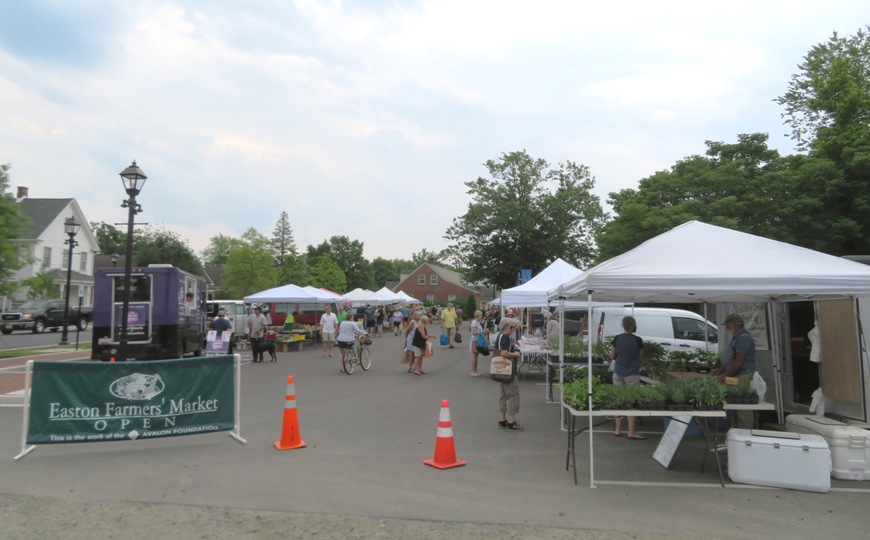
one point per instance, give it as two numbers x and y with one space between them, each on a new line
108 401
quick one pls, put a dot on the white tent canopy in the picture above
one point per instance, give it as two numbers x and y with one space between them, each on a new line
533 293
325 297
362 296
388 296
697 262
284 293
407 298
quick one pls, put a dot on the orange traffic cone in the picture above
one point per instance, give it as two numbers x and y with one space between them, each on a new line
112 359
290 438
445 452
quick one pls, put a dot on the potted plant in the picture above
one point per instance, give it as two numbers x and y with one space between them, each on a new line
678 398
679 360
647 398
740 394
703 361
654 360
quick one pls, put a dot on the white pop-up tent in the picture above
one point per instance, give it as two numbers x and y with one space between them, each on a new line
362 296
533 293
407 298
697 262
388 296
284 293
325 297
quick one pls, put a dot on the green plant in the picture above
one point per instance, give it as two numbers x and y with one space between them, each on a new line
679 360
574 347
644 396
654 359
601 350
707 358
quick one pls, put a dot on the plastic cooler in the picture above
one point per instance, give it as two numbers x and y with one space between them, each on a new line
779 459
850 445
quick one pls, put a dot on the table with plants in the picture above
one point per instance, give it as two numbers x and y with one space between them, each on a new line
298 337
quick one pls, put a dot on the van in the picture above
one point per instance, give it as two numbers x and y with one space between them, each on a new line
236 313
673 329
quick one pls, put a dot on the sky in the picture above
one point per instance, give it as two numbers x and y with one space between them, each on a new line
367 118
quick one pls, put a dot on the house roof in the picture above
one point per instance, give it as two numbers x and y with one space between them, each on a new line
41 213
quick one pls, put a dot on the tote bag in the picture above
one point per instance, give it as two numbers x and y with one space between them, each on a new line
429 350
501 370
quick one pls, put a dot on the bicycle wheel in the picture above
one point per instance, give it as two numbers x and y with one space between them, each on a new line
365 358
350 361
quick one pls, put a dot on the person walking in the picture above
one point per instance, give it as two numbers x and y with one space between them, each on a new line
509 396
256 330
448 322
348 331
397 321
476 328
410 333
328 330
421 338
626 351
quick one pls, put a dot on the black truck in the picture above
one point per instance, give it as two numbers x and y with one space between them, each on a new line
37 315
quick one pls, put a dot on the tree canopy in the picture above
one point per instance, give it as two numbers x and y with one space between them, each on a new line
250 267
13 225
524 216
161 246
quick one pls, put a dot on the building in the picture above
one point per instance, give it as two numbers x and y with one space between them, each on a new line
436 284
48 252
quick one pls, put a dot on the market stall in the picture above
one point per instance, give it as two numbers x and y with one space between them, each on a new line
725 266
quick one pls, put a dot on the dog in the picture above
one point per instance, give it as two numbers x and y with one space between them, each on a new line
264 346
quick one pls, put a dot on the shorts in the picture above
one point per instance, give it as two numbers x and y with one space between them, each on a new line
396 324
327 337
345 344
630 380
418 352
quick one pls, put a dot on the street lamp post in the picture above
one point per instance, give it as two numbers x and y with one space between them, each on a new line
70 227
133 179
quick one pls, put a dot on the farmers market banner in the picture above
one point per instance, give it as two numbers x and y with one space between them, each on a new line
100 401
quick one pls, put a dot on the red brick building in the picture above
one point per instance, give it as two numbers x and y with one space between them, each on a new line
436 284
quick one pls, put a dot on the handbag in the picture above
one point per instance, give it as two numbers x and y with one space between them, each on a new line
481 344
429 350
443 339
501 370
457 338
407 356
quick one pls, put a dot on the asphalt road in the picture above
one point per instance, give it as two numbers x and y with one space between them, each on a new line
20 339
367 437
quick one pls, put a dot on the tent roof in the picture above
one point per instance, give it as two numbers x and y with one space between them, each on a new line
324 296
388 296
697 262
533 293
362 296
407 297
284 293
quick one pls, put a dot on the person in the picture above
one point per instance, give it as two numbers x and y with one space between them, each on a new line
223 327
189 304
256 331
626 350
410 333
509 396
328 329
421 338
342 315
448 322
397 321
370 319
379 320
289 322
477 327
553 326
347 334
739 362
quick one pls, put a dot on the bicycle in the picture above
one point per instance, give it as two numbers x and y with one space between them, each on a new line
358 354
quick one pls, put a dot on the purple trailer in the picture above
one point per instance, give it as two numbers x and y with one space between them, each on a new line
165 319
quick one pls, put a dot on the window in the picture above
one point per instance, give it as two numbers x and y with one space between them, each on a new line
451 297
64 262
46 257
83 267
433 279
430 298
421 279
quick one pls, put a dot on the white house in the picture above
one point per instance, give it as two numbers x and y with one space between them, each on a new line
48 251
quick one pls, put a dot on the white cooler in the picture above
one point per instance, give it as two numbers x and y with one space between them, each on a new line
850 445
779 459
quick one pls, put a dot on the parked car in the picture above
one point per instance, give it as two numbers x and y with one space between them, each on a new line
37 315
237 313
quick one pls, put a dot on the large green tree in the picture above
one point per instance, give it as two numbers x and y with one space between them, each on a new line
348 255
250 267
110 238
827 106
162 246
385 270
326 274
290 267
13 225
525 215
218 250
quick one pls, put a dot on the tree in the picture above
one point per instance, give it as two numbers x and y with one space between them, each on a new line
326 274
470 306
250 267
218 250
289 264
348 255
830 95
743 186
525 216
41 286
13 226
424 256
110 238
162 246
385 270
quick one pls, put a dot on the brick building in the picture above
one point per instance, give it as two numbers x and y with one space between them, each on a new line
436 284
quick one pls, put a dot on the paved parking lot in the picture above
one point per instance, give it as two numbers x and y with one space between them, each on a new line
369 433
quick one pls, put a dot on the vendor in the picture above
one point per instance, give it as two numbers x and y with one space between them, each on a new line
740 362
289 322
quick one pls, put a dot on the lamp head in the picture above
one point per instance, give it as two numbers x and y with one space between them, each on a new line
71 226
133 179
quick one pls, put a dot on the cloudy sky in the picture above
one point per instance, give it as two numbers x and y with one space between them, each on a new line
366 118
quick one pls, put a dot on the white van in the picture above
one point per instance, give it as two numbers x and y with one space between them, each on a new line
236 312
674 329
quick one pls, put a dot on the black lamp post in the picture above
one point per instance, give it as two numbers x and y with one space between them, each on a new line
133 179
70 227
115 258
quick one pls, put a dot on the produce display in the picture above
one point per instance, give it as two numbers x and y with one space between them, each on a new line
697 393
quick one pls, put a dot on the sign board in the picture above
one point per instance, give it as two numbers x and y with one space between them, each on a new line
671 439
217 342
525 275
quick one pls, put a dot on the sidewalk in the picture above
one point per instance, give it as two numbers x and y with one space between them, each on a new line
12 369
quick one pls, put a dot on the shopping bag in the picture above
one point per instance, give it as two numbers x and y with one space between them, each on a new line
501 370
457 338
429 350
443 339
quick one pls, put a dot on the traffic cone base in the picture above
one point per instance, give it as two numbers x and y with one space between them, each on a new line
445 452
290 438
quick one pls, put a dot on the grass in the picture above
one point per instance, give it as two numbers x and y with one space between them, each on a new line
31 351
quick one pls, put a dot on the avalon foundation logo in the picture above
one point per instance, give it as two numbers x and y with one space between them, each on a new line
137 387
